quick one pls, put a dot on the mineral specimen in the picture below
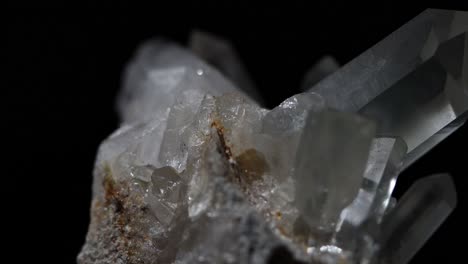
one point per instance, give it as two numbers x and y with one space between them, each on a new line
199 172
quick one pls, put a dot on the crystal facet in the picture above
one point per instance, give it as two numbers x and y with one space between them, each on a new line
199 172
422 66
331 160
357 221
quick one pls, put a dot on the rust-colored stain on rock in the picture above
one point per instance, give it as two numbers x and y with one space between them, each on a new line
252 165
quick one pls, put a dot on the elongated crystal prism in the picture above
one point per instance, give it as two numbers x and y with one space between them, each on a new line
420 211
421 68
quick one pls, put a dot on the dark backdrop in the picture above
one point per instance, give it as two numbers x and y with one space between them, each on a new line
64 69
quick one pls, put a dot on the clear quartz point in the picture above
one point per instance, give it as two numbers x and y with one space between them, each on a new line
417 215
423 67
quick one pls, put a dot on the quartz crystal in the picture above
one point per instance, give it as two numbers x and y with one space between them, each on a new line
423 67
200 172
330 163
383 166
420 211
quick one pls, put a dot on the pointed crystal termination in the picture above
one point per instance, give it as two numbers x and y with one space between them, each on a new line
421 210
383 165
423 67
221 54
331 159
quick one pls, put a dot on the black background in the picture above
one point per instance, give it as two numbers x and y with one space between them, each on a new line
64 69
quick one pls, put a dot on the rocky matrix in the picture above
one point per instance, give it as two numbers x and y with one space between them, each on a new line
199 172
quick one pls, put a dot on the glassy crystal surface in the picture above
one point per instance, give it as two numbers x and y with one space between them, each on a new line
357 229
198 172
422 66
331 160
384 164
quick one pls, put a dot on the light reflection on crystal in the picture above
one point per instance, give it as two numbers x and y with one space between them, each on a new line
199 172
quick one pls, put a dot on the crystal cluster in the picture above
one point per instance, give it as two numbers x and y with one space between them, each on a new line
199 172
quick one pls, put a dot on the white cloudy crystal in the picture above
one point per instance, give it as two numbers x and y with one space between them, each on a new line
162 72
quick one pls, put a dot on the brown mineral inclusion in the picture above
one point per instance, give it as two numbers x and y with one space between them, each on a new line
252 165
